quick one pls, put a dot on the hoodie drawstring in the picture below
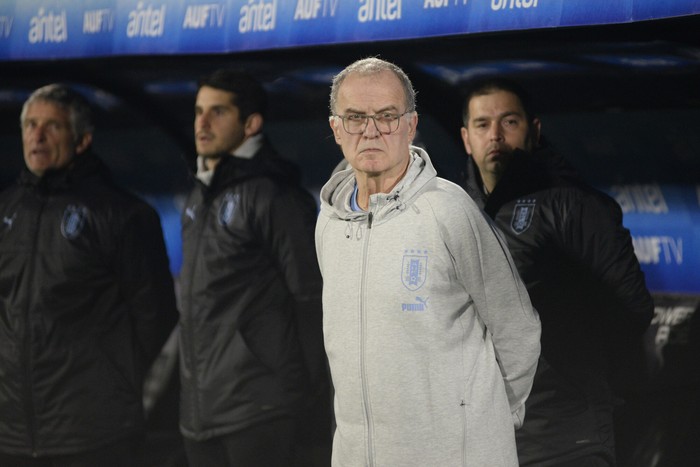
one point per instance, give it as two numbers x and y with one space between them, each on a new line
349 230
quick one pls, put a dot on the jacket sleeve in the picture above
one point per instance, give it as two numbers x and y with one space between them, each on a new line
595 239
594 236
146 282
502 303
287 224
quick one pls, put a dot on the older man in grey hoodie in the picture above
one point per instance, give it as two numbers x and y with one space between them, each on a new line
429 331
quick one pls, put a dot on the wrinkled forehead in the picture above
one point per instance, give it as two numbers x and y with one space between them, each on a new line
371 93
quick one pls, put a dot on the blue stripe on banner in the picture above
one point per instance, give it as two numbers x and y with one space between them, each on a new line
32 29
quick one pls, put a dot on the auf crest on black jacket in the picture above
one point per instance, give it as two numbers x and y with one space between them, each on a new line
86 301
251 336
578 264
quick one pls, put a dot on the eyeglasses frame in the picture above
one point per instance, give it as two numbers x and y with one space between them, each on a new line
373 117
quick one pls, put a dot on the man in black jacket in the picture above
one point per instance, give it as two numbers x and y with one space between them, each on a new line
577 262
251 341
86 297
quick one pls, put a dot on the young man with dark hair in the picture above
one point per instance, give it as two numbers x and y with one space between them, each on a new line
253 364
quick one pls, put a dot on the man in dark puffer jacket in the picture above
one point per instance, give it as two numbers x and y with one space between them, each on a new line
577 262
253 363
86 298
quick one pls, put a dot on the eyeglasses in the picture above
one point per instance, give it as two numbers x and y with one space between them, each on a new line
385 122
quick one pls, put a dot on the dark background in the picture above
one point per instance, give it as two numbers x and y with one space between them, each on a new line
622 102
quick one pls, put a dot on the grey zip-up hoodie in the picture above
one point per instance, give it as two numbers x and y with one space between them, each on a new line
430 334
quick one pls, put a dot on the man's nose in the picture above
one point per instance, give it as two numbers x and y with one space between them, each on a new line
371 128
38 133
201 121
495 132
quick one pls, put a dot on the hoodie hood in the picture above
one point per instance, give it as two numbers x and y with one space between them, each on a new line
336 194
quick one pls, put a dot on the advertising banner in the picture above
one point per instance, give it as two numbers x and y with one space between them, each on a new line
50 29
663 221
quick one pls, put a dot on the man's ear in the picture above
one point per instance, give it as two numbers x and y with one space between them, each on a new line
336 126
253 124
465 140
412 126
83 143
536 126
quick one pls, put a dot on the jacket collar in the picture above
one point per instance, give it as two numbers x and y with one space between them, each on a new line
265 163
81 167
527 173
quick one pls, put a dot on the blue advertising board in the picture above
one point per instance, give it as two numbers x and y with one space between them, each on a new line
47 29
664 221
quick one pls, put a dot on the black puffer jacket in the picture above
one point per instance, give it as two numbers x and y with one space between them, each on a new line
577 262
86 302
251 337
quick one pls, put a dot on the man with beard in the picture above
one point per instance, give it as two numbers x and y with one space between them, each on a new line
578 265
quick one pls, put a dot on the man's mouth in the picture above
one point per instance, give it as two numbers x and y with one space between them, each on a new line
38 152
494 152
